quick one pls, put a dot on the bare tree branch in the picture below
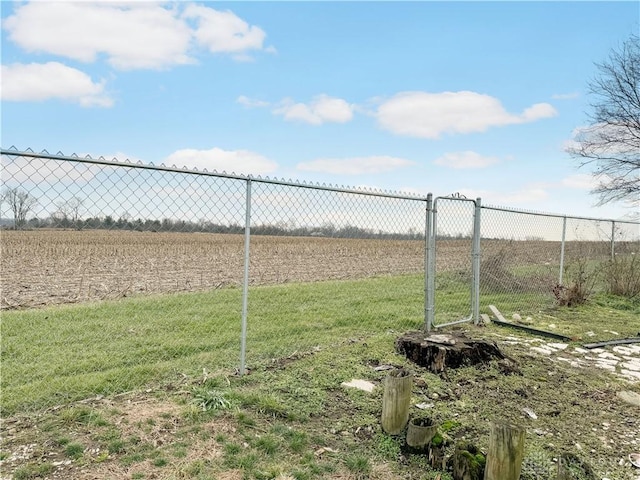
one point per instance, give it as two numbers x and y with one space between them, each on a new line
20 203
611 143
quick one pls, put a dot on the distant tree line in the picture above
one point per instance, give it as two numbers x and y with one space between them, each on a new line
124 223
69 214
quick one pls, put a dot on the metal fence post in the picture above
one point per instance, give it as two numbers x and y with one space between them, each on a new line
428 294
245 281
613 239
475 290
564 235
432 264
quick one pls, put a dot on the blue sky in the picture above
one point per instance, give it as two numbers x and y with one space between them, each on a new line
471 97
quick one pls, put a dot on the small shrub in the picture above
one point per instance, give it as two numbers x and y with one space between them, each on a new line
210 399
580 285
268 444
358 464
74 450
622 276
497 273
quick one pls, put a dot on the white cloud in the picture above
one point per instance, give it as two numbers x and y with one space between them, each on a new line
355 165
230 161
464 160
251 102
321 109
225 32
525 197
602 139
580 181
131 35
44 81
528 195
142 35
430 115
43 171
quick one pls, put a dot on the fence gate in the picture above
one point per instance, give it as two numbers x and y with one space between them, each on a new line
453 272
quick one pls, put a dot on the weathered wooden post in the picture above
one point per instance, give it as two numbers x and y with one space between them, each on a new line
420 432
506 450
396 401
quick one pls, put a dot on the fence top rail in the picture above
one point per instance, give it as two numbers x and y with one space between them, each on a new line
557 215
12 152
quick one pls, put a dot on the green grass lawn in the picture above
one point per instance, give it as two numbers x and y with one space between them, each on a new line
53 355
172 359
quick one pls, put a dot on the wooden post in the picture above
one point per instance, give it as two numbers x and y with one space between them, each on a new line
420 432
506 450
396 401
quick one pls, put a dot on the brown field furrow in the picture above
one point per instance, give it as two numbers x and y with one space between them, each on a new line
43 267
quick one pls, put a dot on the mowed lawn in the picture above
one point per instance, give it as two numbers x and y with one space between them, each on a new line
62 353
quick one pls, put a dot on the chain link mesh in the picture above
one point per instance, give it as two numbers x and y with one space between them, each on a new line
333 236
532 262
83 230
453 259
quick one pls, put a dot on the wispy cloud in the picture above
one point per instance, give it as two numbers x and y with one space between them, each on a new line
251 102
43 81
465 160
355 165
525 195
431 115
580 181
322 109
230 161
225 32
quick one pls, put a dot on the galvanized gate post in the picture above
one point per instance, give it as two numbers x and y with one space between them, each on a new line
245 280
428 271
475 291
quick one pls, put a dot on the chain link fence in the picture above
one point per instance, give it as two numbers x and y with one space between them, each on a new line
272 264
531 262
275 268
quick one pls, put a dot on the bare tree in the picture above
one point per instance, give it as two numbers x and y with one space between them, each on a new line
69 211
20 203
611 143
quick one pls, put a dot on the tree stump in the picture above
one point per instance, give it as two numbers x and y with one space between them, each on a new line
439 352
396 401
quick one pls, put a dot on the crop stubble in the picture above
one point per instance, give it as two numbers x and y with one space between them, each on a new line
43 267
